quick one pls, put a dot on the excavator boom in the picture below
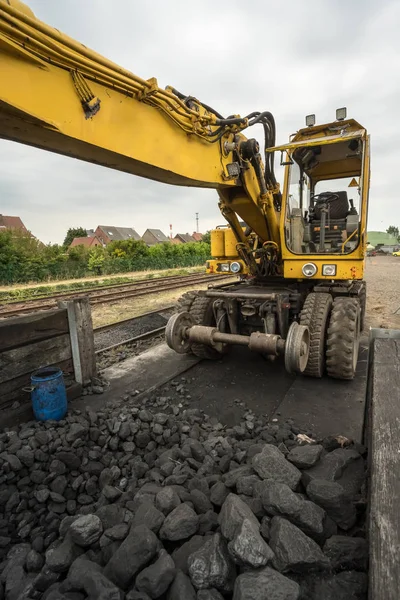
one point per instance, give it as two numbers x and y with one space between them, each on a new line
63 97
82 105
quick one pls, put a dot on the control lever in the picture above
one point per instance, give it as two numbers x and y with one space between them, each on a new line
353 210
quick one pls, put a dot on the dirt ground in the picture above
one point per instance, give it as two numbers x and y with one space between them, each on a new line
383 292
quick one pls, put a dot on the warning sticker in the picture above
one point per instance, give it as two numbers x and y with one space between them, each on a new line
353 183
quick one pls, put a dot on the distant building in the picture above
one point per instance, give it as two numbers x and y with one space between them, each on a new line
197 236
89 242
11 223
184 238
388 249
107 234
90 232
154 236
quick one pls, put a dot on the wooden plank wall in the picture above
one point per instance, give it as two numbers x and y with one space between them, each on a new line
82 338
28 343
383 436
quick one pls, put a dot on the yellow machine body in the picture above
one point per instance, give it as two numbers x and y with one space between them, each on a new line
348 264
218 243
296 248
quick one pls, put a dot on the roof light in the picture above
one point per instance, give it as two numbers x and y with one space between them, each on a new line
310 120
341 113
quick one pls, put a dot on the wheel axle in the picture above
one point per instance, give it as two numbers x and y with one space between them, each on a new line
181 333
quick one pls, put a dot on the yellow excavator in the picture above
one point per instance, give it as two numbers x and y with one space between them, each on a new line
297 253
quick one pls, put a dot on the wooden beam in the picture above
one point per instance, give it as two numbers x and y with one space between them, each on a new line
18 331
383 433
26 359
82 338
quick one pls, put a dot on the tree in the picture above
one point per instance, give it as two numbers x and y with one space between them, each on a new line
72 233
392 230
206 237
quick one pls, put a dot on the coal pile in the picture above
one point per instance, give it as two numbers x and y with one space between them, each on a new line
156 500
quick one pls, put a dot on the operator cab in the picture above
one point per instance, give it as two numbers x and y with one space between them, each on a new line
323 189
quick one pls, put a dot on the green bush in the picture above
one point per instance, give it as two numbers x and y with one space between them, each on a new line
24 259
127 249
97 257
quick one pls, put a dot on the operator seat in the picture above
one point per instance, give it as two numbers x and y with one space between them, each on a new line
338 205
340 221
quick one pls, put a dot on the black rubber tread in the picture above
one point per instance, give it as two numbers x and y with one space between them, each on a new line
201 310
343 338
185 301
315 315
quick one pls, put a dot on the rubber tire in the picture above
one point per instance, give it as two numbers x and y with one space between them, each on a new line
185 301
202 312
315 315
343 338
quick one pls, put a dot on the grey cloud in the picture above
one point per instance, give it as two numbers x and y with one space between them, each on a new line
292 58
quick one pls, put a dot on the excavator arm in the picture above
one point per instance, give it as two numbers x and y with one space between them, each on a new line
58 95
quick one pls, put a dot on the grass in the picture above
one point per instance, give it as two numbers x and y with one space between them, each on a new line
28 292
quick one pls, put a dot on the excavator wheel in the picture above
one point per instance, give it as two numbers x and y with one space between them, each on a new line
315 316
201 310
185 301
183 305
297 348
343 338
175 332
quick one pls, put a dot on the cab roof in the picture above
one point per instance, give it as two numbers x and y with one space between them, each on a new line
328 133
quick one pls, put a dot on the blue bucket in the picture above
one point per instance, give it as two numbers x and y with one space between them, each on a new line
49 396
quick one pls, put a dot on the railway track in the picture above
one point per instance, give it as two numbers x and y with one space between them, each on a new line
116 342
109 294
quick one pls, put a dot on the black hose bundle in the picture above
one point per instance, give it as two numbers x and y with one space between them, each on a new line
268 122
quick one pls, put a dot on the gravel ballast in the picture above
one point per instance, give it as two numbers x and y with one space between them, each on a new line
152 499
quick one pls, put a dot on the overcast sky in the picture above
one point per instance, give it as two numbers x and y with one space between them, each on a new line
292 58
